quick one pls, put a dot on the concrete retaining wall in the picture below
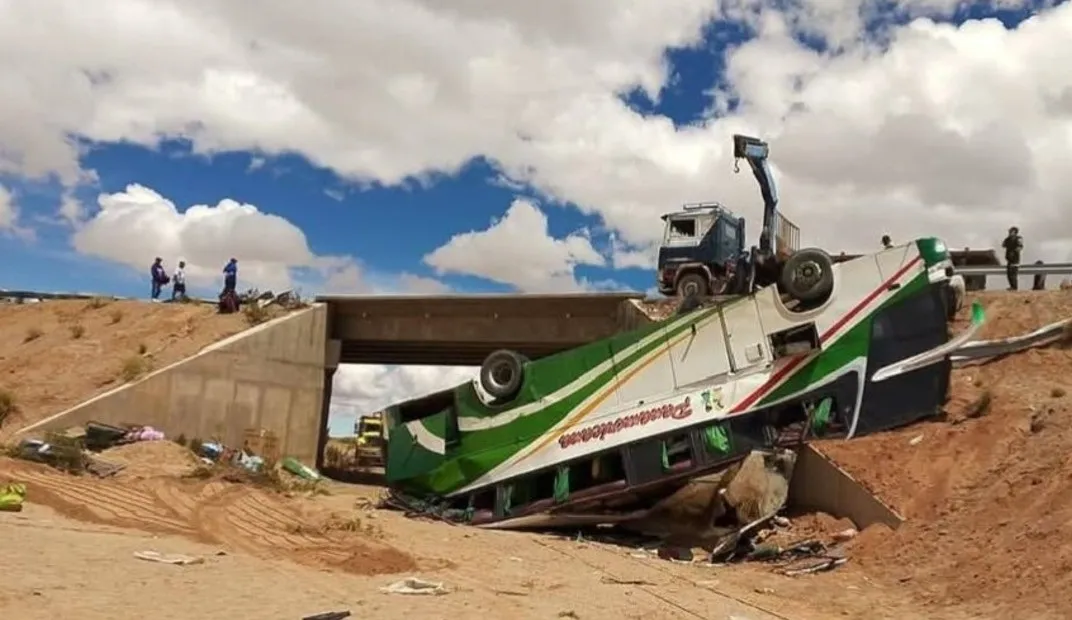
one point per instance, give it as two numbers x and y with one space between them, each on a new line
269 378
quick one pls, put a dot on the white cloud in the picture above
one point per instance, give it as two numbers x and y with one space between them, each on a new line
925 129
354 279
133 226
361 389
518 250
10 216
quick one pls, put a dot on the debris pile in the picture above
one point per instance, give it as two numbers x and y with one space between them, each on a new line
737 515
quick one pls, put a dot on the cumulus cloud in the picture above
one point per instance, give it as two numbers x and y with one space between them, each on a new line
133 226
10 223
518 250
360 389
354 279
9 214
910 129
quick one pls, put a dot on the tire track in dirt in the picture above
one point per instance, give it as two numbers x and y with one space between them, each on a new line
233 516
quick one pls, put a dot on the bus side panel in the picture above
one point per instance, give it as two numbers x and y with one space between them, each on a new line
902 330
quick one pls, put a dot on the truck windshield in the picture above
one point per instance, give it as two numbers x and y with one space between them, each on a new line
682 228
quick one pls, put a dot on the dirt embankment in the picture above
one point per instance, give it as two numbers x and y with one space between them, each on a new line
56 354
987 491
152 495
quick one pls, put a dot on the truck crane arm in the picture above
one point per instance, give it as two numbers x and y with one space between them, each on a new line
755 151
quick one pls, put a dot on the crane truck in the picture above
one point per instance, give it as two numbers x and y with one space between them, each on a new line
703 251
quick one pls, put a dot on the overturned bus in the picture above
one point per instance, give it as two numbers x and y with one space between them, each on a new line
600 432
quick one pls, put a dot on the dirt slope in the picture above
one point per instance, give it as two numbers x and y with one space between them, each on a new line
234 516
988 490
48 366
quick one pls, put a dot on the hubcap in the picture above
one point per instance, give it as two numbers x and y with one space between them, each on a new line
808 274
501 374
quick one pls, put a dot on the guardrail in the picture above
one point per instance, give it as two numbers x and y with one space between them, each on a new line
1025 270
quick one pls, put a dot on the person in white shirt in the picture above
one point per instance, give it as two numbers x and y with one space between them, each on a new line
178 289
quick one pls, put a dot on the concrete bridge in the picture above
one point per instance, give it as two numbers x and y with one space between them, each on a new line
459 330
275 379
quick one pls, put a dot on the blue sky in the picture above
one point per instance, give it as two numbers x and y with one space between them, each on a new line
767 69
341 217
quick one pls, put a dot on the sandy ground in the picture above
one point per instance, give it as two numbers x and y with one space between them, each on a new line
54 370
987 498
287 557
986 490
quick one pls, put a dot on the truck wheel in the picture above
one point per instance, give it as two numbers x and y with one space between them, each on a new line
501 374
692 285
808 275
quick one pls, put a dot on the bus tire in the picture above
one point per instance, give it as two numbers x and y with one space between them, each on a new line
808 275
502 374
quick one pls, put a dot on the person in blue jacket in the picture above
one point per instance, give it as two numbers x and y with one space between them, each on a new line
158 276
230 275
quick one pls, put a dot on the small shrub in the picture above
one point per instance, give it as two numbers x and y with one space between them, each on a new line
133 368
77 330
195 445
116 316
33 334
96 303
142 348
8 404
1057 392
254 313
181 440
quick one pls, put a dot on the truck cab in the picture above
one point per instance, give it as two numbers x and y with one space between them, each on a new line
701 242
702 245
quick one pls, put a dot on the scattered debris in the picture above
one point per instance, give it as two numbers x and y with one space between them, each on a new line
299 469
915 441
626 582
845 535
177 559
414 585
12 497
329 615
103 469
677 554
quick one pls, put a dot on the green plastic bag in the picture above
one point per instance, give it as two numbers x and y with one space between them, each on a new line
820 417
562 484
665 456
717 439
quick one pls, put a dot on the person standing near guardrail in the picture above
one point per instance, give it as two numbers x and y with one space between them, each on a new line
1014 246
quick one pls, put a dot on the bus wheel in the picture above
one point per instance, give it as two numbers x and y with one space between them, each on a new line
808 275
501 374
